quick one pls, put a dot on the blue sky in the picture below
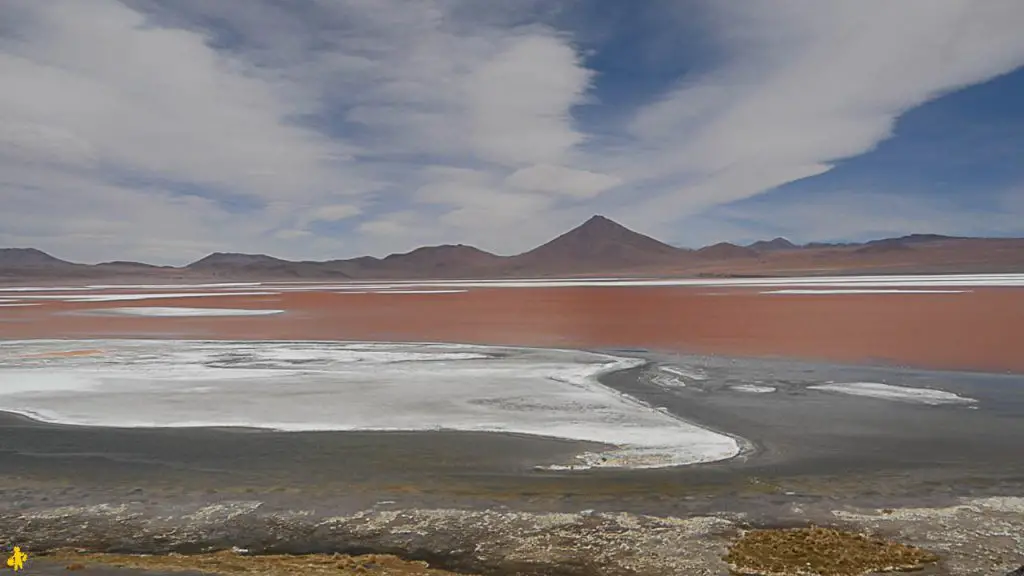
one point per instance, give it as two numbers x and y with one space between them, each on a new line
316 129
952 166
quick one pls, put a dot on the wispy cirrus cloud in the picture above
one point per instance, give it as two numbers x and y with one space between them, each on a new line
804 85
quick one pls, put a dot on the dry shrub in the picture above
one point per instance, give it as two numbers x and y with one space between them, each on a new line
821 551
232 564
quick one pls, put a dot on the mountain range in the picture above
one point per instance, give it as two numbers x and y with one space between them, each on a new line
599 246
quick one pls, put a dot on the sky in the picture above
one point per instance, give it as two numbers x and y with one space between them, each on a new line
161 131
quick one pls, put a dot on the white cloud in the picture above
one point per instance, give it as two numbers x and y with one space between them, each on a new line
561 180
520 99
104 100
391 225
138 129
806 84
212 145
94 85
334 212
458 205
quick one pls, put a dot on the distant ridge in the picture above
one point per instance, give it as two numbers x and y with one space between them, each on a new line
599 246
771 245
919 239
234 265
129 264
725 250
234 259
444 256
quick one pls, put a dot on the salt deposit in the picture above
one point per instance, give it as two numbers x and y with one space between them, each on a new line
893 281
686 373
753 388
142 296
350 386
421 291
899 393
916 284
178 312
863 291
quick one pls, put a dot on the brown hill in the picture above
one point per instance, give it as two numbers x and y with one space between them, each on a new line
253 266
903 243
726 251
889 256
883 247
599 244
445 261
16 263
29 258
130 264
442 261
772 245
228 260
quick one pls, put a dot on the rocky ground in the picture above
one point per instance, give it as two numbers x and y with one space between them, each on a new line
980 536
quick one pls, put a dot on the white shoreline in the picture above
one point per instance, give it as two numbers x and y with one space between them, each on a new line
182 312
102 297
862 291
850 281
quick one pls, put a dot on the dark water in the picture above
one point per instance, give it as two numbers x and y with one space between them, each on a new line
796 424
867 449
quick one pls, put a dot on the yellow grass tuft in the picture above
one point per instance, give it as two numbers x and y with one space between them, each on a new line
820 552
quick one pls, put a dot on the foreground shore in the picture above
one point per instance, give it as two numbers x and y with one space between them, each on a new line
981 536
947 479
